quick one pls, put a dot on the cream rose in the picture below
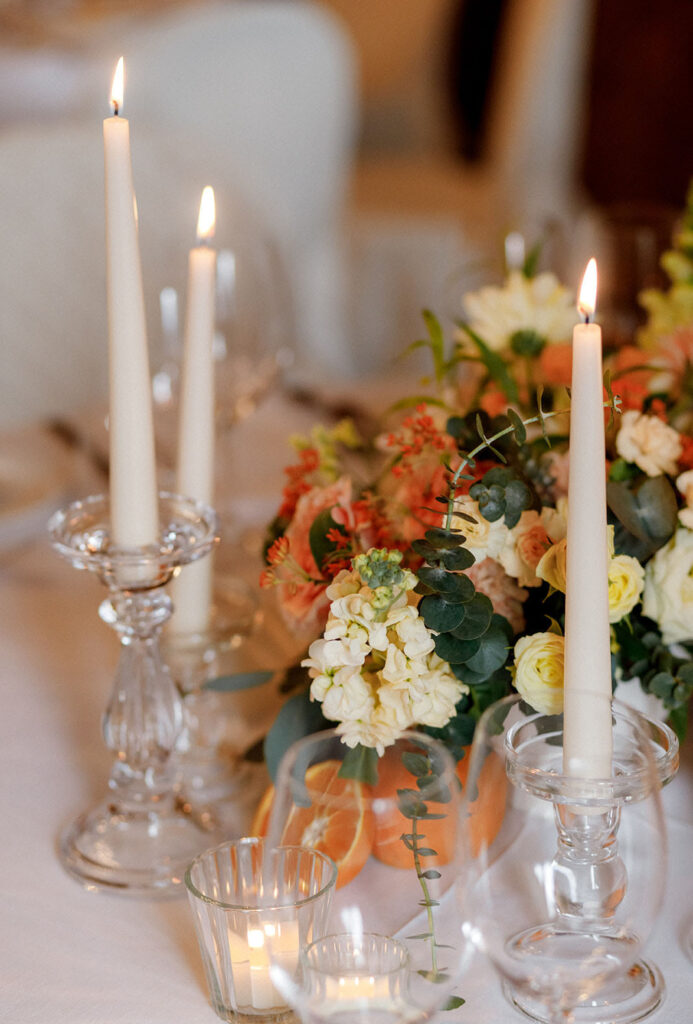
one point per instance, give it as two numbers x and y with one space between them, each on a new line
668 596
483 539
626 582
684 483
648 442
524 547
538 671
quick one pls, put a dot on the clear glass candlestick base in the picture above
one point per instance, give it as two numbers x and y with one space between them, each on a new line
140 838
565 897
635 993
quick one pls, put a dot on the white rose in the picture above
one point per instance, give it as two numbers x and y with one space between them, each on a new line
668 597
648 442
483 539
684 482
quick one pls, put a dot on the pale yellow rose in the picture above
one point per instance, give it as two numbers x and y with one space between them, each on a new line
551 566
626 582
538 671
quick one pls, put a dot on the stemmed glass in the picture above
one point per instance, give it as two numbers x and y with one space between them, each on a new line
563 899
393 948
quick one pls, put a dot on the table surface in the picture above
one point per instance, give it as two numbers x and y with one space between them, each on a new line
77 957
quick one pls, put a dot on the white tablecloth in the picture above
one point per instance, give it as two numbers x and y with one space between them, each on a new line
74 957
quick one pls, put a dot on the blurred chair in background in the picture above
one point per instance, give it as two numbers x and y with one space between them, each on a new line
256 98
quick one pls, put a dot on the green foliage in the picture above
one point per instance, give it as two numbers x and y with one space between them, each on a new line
321 548
527 343
297 718
640 652
494 364
502 494
360 763
238 681
645 513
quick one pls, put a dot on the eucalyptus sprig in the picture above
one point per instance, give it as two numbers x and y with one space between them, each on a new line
414 808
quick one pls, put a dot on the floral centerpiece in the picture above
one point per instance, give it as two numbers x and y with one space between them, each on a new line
429 560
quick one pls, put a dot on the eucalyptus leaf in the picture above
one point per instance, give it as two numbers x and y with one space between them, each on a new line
297 718
238 681
416 764
454 588
360 763
440 615
647 508
477 618
454 650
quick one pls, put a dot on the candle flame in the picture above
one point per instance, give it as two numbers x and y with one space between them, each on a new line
207 217
117 87
587 300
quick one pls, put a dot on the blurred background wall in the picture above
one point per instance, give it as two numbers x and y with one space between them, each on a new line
450 122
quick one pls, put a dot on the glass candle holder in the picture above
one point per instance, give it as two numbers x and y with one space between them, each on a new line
356 977
564 898
139 839
255 906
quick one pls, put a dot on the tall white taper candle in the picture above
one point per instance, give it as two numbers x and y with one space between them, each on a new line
133 489
587 744
192 590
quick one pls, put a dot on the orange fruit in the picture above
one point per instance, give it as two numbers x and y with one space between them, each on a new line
338 822
438 834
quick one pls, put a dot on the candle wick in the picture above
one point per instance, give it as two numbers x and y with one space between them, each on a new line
586 318
116 109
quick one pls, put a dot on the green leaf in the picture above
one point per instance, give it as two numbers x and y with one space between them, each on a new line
453 1003
410 803
421 935
493 652
430 874
320 547
455 651
622 470
527 342
360 763
456 589
427 851
238 681
440 538
477 618
416 764
495 366
519 429
297 718
646 508
440 615
457 559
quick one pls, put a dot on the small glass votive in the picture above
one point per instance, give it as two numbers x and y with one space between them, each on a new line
245 896
353 976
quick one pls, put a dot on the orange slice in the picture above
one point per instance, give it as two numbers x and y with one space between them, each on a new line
338 821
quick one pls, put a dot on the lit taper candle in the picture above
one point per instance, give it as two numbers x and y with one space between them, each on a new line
133 490
192 590
587 743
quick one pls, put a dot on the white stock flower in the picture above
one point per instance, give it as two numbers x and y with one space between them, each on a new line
668 596
540 304
648 442
374 698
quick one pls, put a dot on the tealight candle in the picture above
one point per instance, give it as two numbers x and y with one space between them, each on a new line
587 746
133 490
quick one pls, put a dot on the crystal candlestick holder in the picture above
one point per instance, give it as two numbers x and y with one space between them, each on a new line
566 896
139 838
